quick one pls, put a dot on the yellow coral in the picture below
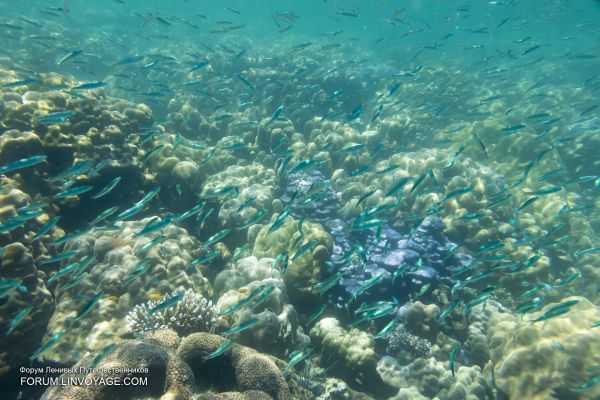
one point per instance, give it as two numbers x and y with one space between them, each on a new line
305 271
533 359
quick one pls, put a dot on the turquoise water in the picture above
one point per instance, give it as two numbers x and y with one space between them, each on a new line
312 200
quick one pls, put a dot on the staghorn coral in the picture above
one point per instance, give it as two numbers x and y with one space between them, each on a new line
193 313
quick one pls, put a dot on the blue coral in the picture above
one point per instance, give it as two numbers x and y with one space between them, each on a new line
428 253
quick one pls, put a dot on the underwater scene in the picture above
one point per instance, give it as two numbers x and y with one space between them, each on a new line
318 199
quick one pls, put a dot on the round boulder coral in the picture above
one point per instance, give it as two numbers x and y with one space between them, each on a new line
533 359
167 374
237 368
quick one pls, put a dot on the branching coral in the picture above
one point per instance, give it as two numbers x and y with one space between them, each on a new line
193 313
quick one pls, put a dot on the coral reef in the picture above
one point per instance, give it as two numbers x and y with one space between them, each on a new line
243 289
449 176
193 313
23 220
353 353
167 374
102 127
303 270
432 379
17 265
315 221
239 368
531 359
404 345
253 186
118 265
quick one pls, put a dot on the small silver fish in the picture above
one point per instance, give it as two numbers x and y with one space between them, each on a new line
222 349
108 188
22 163
18 318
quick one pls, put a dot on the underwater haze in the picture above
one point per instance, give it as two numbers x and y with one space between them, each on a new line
320 199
